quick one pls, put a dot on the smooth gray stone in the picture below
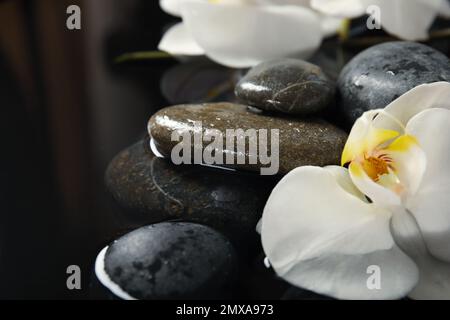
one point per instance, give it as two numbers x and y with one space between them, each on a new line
301 141
172 260
152 190
382 73
286 85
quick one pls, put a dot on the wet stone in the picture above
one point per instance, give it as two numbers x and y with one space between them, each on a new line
153 190
288 86
172 260
384 72
301 141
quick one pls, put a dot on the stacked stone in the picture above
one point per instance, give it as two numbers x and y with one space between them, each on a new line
382 73
196 235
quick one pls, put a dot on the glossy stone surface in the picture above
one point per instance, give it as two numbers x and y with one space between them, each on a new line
301 141
288 86
172 260
153 190
382 73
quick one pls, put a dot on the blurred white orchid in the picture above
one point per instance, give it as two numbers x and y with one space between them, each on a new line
320 231
243 33
406 19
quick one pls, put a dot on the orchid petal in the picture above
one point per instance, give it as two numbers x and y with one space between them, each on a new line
423 97
178 41
340 8
431 204
319 236
406 19
303 3
171 7
380 195
444 11
259 226
345 182
409 163
434 280
330 25
434 275
243 36
364 136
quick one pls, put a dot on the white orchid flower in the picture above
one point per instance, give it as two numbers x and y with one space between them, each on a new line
243 33
406 19
323 229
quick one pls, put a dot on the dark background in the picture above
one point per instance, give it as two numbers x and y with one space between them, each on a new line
65 111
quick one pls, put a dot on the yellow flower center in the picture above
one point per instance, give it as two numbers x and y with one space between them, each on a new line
375 167
392 159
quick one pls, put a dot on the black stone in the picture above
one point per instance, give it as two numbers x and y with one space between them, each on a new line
288 86
153 190
382 73
172 260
